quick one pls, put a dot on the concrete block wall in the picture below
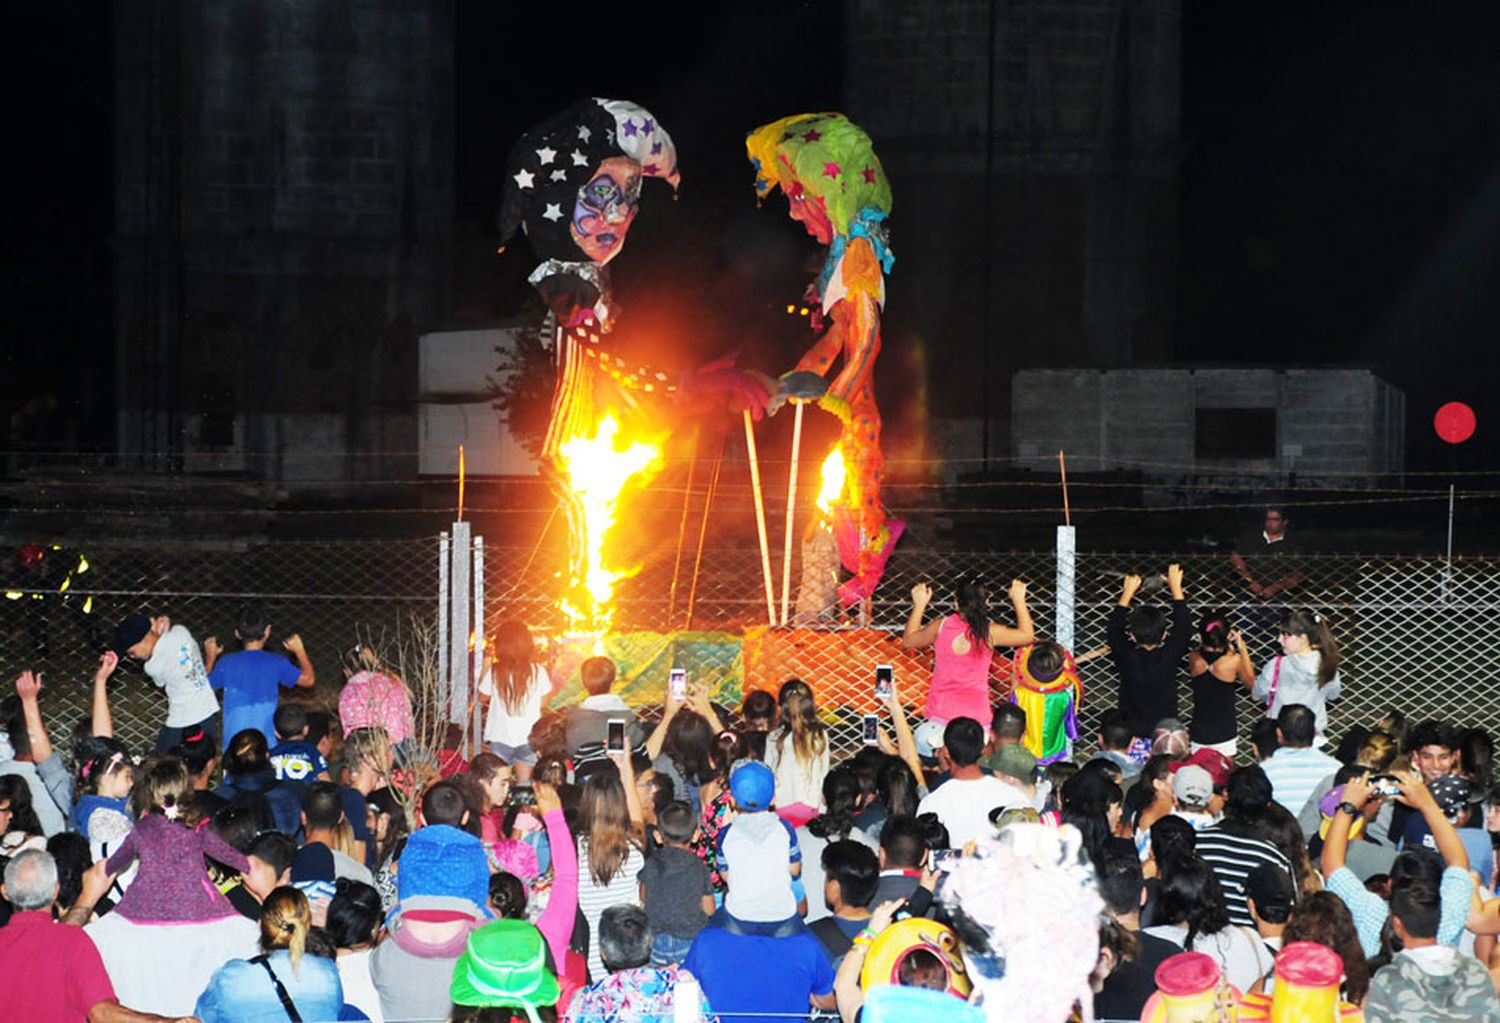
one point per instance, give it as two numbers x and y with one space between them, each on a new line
1333 421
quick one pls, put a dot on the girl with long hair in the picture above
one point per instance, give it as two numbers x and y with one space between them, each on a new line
373 695
1306 671
963 645
610 848
513 688
1323 918
687 756
506 852
1190 906
1220 661
841 796
797 753
283 979
19 827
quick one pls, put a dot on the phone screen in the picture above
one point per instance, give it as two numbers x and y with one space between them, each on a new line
872 730
677 683
614 738
883 681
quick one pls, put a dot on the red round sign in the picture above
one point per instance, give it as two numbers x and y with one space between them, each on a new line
1454 422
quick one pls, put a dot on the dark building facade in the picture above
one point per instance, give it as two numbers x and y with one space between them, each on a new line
1048 134
283 223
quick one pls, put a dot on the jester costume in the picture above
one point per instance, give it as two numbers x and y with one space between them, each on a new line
1051 705
838 190
573 185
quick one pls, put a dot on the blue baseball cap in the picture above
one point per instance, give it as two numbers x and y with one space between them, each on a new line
753 786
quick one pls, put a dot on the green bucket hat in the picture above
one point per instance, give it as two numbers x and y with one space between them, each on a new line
505 965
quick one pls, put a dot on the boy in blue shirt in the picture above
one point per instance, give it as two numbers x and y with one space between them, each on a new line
252 677
294 758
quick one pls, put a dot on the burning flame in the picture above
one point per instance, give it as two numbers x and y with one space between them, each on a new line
833 481
597 469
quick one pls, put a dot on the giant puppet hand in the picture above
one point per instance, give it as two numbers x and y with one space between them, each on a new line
721 381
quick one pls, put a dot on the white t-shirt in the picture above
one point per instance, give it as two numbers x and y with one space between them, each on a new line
1242 957
163 968
176 664
797 781
964 805
513 727
359 989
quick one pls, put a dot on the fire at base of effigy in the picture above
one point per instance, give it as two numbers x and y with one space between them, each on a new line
595 470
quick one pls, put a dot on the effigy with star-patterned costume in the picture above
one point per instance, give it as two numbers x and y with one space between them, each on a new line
836 188
573 187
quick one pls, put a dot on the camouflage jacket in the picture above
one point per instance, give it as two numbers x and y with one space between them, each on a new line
1403 992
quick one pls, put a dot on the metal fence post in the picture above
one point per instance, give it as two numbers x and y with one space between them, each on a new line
445 625
1066 569
460 643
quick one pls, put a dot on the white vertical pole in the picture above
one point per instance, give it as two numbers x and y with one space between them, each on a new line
1066 570
477 661
445 621
458 645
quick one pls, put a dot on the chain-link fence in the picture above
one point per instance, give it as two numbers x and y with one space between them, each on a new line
1413 631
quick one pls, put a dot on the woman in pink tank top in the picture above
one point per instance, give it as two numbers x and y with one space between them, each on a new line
963 646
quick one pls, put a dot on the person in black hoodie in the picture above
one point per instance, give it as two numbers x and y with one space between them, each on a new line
1147 647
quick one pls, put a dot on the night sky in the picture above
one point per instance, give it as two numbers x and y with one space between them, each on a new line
1339 188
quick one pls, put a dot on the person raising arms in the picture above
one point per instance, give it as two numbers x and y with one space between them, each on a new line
963 645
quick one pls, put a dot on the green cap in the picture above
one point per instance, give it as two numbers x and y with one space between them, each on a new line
1013 761
504 965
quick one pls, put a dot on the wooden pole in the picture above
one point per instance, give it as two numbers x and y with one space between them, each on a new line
708 503
687 498
760 520
1062 468
460 483
791 516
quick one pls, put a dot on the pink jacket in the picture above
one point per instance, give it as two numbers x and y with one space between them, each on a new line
373 699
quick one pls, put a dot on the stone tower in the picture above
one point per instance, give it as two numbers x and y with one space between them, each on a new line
283 210
1032 148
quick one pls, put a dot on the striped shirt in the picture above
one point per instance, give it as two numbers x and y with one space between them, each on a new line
1295 773
594 898
1232 858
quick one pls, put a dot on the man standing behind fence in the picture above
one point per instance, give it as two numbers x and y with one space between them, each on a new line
1268 560
251 678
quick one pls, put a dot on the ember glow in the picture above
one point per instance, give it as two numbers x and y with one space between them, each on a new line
597 468
833 481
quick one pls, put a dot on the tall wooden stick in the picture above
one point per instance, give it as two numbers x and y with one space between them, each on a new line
708 503
791 515
1062 468
687 497
760 520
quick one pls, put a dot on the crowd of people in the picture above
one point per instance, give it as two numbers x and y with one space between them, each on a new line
593 863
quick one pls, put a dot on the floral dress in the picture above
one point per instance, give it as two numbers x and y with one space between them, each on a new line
716 816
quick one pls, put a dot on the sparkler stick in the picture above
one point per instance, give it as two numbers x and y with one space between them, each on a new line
760 520
791 512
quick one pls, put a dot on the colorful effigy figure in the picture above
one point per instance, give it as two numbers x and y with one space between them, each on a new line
573 186
837 189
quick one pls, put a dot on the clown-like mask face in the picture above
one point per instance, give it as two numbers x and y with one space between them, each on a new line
809 212
605 208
